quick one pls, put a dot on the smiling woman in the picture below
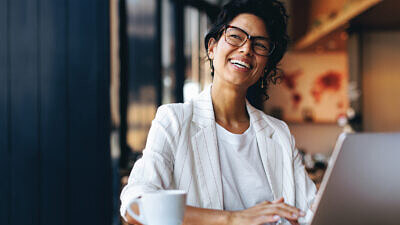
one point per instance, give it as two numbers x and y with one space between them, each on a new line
237 164
273 15
238 64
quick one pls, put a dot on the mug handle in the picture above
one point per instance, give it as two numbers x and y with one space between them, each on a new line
139 218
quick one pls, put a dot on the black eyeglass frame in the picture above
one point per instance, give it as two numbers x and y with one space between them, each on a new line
249 37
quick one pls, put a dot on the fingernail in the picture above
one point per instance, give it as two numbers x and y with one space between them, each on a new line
294 215
302 213
276 217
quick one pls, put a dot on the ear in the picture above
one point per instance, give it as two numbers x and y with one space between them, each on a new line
212 43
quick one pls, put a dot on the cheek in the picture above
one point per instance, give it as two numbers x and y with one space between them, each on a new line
263 65
263 62
223 49
220 56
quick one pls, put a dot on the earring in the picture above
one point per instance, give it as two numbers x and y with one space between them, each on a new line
212 68
262 78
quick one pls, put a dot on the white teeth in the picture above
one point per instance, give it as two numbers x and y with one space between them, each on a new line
240 63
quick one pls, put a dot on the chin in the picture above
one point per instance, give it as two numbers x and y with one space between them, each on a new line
239 83
240 80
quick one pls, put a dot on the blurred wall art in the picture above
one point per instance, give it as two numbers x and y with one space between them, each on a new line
313 89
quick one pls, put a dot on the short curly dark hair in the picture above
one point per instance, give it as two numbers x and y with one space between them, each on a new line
274 16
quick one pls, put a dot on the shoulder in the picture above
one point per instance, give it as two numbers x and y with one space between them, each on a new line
281 129
277 123
276 128
268 120
175 114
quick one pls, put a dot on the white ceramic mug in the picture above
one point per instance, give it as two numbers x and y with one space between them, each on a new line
164 207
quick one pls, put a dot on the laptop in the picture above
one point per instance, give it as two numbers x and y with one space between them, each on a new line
362 182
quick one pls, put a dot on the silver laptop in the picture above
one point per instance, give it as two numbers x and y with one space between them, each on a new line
362 182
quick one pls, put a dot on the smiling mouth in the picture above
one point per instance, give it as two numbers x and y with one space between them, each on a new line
240 64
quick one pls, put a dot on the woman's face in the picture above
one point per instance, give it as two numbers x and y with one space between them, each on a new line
239 66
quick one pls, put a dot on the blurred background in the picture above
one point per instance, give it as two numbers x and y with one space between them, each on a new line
80 82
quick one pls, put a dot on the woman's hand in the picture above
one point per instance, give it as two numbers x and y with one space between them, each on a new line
266 212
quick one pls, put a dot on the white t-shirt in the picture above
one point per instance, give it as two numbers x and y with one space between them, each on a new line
244 181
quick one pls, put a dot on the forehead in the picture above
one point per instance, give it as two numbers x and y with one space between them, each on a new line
250 23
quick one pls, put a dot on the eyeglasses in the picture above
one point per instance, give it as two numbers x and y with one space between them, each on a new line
238 37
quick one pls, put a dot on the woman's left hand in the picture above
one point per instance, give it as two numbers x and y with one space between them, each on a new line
293 222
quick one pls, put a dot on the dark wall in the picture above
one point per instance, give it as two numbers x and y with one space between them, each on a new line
143 42
140 72
54 112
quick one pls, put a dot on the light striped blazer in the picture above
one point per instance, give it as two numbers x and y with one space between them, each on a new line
182 153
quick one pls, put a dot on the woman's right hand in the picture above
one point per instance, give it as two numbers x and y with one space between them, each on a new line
266 212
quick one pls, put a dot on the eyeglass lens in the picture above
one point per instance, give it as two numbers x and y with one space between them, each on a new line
237 37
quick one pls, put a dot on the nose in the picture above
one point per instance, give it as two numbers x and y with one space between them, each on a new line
246 48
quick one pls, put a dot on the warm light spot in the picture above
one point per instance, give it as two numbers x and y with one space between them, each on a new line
344 36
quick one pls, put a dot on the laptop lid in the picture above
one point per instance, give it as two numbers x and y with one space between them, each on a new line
362 182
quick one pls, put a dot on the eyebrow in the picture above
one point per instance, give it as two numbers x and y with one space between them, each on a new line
262 37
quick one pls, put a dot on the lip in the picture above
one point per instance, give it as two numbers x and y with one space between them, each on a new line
243 59
238 68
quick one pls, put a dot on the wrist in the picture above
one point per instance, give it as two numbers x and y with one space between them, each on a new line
229 217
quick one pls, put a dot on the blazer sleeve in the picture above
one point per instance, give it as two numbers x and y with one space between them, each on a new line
154 170
305 187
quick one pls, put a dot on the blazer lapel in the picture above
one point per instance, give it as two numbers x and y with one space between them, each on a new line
207 157
205 148
270 150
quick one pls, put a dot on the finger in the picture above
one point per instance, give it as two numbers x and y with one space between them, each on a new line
291 209
267 219
279 200
294 222
283 210
280 209
284 207
294 209
278 212
265 203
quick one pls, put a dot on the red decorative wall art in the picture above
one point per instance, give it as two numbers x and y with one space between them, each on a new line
314 88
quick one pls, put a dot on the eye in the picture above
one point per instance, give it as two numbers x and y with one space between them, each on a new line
260 45
235 36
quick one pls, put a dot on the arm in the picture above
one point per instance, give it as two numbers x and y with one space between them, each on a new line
265 212
154 170
194 215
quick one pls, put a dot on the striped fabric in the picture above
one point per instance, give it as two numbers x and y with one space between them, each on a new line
181 153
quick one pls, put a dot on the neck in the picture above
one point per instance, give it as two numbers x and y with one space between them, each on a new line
229 104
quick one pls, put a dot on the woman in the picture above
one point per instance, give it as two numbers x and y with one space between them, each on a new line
238 165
